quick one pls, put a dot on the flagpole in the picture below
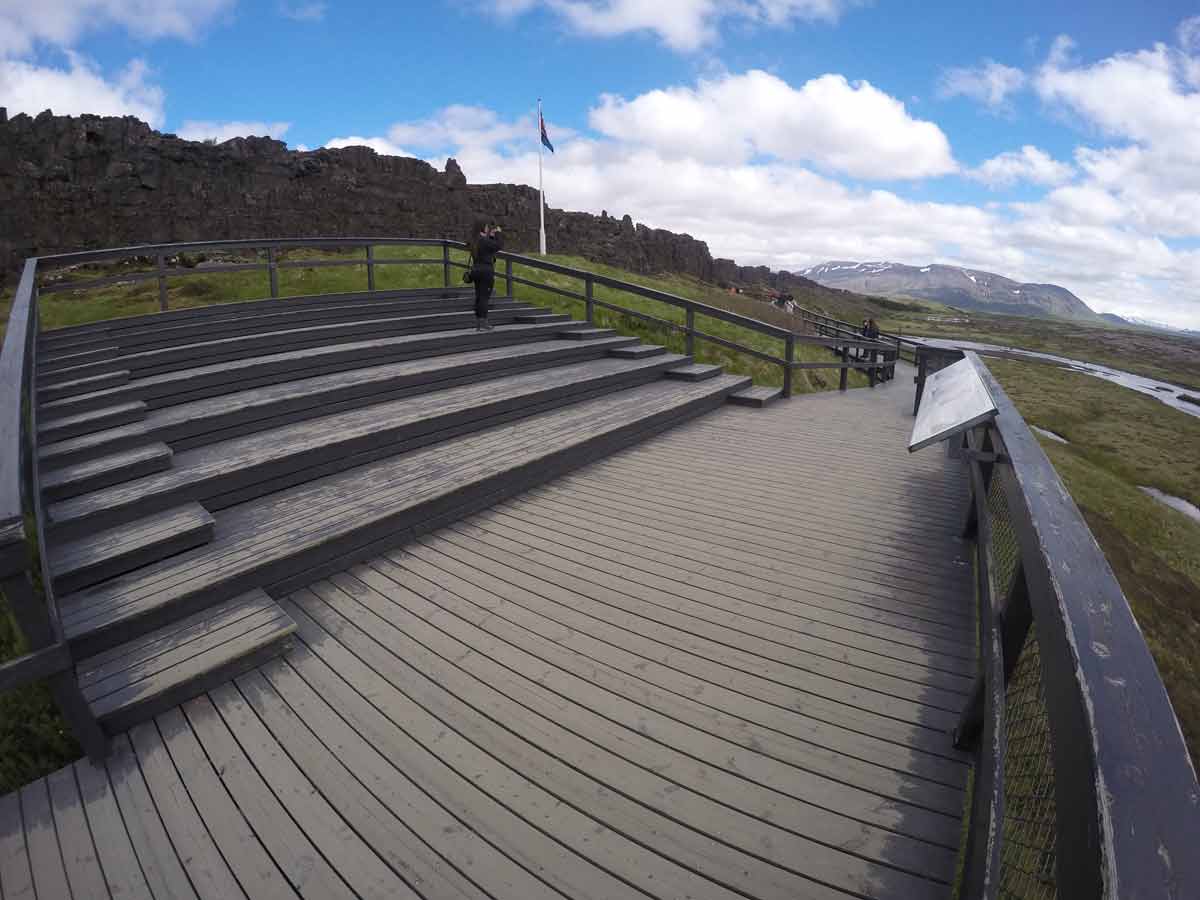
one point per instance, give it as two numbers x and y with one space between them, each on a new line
541 202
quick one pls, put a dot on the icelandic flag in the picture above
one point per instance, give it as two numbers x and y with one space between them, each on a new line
545 138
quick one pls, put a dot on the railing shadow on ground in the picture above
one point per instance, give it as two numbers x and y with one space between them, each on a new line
1084 786
24 570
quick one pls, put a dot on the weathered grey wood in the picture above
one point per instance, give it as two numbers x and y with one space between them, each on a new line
41 841
756 397
397 619
515 796
694 372
775 760
135 680
190 837
105 554
101 472
219 410
347 854
114 850
16 878
337 514
174 358
701 644
228 828
542 317
75 838
637 351
308 872
587 334
210 380
33 666
62 389
373 798
61 429
156 856
207 473
167 332
74 335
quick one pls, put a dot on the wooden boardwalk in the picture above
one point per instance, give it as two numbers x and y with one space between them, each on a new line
722 663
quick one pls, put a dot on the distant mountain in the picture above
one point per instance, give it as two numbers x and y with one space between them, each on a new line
952 285
1159 326
1114 319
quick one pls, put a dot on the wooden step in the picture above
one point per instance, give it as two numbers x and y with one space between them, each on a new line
543 317
694 372
72 334
103 471
757 397
89 560
224 411
60 429
146 675
74 359
245 346
273 392
587 334
241 468
638 351
172 333
293 536
62 389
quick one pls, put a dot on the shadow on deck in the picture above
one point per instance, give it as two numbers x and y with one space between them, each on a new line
721 663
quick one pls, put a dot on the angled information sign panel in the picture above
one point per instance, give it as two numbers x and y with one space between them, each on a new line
955 400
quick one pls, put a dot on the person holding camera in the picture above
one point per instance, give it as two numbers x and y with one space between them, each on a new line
484 242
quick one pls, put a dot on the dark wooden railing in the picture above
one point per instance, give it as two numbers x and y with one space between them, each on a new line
824 324
1083 784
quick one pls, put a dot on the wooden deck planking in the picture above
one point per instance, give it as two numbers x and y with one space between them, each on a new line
668 674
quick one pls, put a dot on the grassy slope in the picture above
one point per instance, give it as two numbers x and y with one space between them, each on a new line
33 740
1119 440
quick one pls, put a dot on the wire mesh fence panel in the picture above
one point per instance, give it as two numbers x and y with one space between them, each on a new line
1027 869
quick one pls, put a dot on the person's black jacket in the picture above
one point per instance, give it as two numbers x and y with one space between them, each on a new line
485 252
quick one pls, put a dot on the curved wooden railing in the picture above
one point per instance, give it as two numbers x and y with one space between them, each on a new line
1083 786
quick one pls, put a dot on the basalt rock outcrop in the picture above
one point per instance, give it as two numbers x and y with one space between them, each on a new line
83 182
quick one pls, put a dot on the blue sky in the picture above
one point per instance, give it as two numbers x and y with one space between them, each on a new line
1046 141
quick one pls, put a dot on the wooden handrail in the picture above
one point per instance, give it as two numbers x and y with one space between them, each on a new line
1126 798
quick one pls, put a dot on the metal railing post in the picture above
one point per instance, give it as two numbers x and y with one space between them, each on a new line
508 276
273 271
872 372
789 357
162 283
690 336
370 267
845 354
446 264
589 292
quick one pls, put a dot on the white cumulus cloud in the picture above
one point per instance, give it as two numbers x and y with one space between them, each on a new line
380 145
990 83
683 25
192 130
80 88
1027 164
62 22
828 121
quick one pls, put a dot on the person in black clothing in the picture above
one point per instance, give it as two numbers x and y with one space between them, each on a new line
485 242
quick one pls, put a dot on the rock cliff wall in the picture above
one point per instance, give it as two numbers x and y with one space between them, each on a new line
73 183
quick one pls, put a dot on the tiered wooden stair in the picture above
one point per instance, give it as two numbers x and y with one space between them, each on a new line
197 463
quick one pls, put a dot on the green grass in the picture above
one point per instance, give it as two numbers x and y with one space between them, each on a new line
1119 440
